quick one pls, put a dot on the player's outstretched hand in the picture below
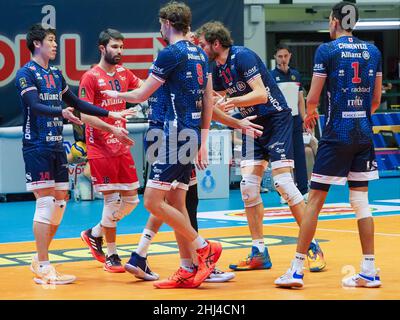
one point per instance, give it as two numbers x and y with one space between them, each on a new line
310 121
201 160
224 104
121 115
249 128
110 93
123 136
68 113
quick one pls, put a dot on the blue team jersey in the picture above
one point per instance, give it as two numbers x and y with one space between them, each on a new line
350 67
159 103
183 68
241 68
41 132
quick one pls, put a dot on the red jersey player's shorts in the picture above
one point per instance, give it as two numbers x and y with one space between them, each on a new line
114 173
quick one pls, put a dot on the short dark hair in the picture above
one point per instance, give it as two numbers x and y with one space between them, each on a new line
178 14
337 12
106 35
215 30
282 46
37 33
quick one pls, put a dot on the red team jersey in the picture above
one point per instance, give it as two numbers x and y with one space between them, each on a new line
101 144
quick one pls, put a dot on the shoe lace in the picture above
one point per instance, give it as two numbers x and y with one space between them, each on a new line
177 276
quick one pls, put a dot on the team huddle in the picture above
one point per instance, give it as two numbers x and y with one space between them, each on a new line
196 78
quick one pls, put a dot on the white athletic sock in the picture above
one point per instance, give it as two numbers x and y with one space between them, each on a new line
97 231
368 264
259 243
43 265
144 243
187 264
298 262
199 243
111 249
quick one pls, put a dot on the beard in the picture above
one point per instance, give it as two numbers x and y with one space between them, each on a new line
113 60
212 55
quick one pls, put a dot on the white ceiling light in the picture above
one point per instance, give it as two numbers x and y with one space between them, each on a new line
378 24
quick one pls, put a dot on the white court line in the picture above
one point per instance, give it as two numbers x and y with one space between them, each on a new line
344 231
388 201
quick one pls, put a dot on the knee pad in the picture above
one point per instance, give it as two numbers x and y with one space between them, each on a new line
284 184
359 203
250 189
44 211
58 213
112 203
128 204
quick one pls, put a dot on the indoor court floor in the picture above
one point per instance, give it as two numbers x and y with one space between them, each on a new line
219 219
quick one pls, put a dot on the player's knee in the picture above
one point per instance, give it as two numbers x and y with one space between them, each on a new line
44 210
111 206
250 189
359 203
284 184
128 204
153 206
59 209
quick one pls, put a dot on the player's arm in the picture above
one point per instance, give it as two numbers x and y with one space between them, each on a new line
258 95
72 100
376 96
149 86
320 74
206 116
317 84
162 67
301 103
245 124
120 133
26 86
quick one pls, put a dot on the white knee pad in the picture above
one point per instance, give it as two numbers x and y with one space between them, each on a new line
111 206
58 213
250 189
359 203
44 210
287 189
128 204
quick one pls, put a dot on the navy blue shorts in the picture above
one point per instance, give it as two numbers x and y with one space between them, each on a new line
173 166
336 164
275 144
46 169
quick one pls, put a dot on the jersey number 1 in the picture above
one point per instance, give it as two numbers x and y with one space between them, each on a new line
356 67
199 70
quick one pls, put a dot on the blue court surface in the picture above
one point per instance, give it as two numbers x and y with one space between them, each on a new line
16 217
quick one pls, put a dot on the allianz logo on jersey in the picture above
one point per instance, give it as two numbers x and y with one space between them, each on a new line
192 56
111 101
360 55
50 96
